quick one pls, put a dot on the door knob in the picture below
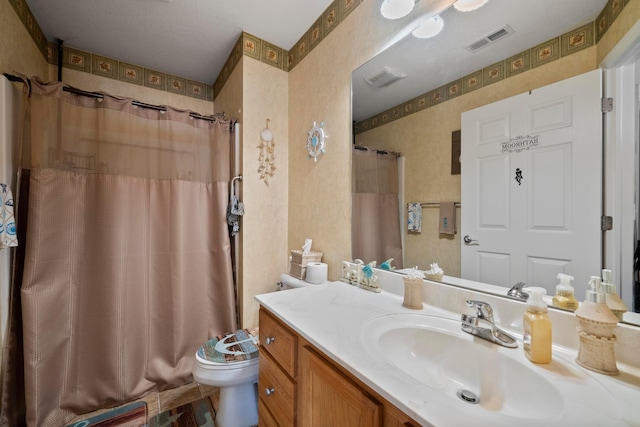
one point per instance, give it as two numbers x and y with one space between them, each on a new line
468 239
269 391
270 340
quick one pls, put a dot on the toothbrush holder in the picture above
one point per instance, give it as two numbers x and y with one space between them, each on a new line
412 293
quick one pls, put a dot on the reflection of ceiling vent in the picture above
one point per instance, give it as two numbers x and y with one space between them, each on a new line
385 77
488 39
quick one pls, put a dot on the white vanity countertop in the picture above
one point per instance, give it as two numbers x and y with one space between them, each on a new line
334 316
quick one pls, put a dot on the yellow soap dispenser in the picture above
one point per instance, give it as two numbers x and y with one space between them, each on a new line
565 297
611 297
537 327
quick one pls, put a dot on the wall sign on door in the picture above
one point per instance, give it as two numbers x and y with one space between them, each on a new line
519 143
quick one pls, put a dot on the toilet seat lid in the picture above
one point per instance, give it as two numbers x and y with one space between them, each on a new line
232 347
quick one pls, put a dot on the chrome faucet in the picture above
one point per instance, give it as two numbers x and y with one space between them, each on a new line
483 313
517 292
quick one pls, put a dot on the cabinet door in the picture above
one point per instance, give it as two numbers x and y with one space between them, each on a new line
265 419
328 399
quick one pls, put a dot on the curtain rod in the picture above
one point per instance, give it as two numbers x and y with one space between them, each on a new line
437 204
357 147
13 78
81 92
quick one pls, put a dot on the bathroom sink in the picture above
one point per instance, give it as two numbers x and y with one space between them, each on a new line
433 352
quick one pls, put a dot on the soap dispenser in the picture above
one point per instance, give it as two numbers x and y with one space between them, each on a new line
611 297
565 297
597 339
537 328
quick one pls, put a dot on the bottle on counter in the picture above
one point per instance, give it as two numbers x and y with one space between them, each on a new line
536 324
596 328
565 296
611 297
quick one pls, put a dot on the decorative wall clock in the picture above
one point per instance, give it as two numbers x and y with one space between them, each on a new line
315 141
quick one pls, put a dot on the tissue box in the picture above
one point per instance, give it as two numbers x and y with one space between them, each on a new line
298 271
297 257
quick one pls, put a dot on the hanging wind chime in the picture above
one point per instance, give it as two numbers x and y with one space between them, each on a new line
267 156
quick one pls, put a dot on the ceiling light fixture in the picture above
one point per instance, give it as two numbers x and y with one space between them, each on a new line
469 5
395 9
429 28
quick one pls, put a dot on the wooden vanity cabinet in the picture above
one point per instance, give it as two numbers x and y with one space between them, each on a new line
278 371
299 386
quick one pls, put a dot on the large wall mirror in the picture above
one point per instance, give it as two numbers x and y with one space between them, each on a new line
408 101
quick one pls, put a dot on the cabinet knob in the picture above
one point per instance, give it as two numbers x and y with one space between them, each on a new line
270 340
269 391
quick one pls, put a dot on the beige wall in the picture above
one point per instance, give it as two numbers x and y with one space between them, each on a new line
229 101
18 53
264 225
320 91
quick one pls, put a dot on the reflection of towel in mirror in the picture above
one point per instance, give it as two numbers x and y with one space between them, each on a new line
8 237
414 217
447 218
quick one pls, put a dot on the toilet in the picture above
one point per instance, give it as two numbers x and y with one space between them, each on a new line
231 362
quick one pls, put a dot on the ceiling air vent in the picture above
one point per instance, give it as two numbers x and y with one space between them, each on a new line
491 38
385 77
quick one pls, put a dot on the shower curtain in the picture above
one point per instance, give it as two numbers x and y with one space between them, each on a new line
375 224
128 263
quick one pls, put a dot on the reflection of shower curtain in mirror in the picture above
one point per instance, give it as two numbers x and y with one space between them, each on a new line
375 224
127 265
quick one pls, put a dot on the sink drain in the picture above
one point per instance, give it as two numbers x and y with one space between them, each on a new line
468 396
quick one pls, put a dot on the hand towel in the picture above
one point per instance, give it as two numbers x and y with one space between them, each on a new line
447 217
8 237
235 209
414 217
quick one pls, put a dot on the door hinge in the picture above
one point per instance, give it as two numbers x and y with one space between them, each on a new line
607 105
606 223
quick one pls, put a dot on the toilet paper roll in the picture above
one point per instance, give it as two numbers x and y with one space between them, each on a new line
317 273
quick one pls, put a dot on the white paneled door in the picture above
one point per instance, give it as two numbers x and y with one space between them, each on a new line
532 186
